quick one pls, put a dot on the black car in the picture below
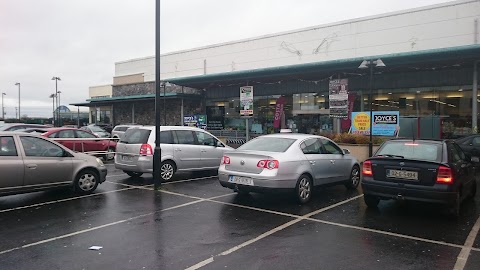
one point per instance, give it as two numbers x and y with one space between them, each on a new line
436 171
470 145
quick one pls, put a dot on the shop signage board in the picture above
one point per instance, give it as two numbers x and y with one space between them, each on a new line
338 98
246 101
277 121
197 120
385 123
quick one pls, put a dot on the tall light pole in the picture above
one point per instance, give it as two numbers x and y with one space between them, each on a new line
56 79
157 152
18 99
371 64
3 108
52 96
58 108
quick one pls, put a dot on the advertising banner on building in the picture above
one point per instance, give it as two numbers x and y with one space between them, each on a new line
346 122
198 120
385 123
277 120
246 101
338 98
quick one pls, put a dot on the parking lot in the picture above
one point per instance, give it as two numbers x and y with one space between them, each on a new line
193 222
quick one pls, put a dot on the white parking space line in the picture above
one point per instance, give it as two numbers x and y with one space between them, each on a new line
189 180
64 200
467 247
270 232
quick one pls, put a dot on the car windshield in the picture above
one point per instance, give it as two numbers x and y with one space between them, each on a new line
4 126
419 150
96 129
268 144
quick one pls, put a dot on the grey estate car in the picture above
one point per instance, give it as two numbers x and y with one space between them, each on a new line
288 162
183 149
30 163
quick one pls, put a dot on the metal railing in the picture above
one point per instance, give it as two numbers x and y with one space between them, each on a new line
81 142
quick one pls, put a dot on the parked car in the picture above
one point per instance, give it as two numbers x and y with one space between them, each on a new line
183 149
288 162
119 130
19 126
97 130
30 163
436 171
470 145
91 143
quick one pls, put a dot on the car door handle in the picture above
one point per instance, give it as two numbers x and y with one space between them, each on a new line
204 151
332 161
32 166
178 149
312 162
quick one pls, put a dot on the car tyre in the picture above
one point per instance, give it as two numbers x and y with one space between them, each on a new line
167 170
354 179
371 201
133 174
304 189
86 181
110 154
454 209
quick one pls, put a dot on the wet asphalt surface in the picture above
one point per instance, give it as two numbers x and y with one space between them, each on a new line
194 222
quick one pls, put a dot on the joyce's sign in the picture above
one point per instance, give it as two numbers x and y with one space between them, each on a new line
385 123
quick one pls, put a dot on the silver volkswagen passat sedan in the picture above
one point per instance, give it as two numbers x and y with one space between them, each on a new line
183 149
30 163
288 162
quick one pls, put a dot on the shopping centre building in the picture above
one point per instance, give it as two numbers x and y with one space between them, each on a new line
428 74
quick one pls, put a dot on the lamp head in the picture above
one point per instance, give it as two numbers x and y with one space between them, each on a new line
364 64
17 83
379 63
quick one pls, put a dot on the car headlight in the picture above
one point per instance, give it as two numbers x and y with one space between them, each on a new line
100 162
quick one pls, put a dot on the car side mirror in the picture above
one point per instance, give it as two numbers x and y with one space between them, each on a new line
346 151
220 144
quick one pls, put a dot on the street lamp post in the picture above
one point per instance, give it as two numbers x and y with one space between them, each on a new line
3 108
157 153
52 96
371 64
18 99
56 79
58 108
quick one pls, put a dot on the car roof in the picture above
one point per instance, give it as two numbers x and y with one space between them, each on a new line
170 128
439 141
10 133
297 136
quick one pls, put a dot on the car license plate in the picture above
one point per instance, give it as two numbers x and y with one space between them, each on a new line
127 158
240 180
401 174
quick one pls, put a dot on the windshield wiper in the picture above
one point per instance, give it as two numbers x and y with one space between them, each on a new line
388 155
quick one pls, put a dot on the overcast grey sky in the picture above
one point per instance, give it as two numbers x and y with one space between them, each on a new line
79 40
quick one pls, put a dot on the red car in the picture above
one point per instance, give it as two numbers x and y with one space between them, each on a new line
78 145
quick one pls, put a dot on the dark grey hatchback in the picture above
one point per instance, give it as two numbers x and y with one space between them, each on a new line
436 171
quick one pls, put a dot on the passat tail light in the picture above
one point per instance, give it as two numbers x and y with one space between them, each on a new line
444 175
225 160
146 150
268 164
367 168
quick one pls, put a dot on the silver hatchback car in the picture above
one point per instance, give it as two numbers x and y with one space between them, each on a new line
30 163
183 149
288 162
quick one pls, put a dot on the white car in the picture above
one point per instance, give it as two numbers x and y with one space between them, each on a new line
183 149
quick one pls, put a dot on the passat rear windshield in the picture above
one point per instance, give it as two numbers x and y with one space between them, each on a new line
136 136
412 150
268 144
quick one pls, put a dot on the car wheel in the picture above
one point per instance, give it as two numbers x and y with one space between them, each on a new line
371 201
133 174
110 154
354 179
86 182
454 209
304 189
167 170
